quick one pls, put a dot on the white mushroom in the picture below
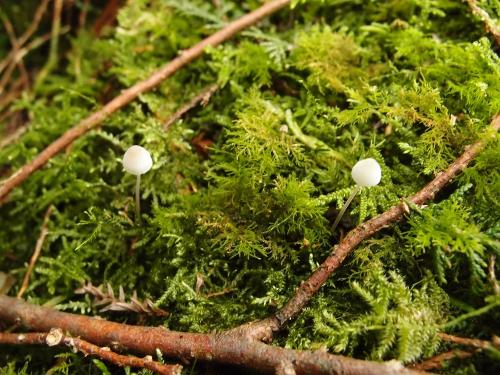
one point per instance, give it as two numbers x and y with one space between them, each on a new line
137 160
365 172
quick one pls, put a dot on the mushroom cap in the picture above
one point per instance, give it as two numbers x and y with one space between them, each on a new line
366 172
137 160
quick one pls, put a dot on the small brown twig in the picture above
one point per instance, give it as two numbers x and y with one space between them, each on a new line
265 329
225 347
203 97
56 337
27 34
36 253
465 341
489 24
492 276
107 16
12 137
437 362
15 47
134 91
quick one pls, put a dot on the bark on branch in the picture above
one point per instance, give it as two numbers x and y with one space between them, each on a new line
219 347
56 337
134 91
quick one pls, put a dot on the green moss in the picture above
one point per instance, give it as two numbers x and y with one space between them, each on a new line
229 230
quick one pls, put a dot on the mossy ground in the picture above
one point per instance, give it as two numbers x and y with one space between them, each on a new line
234 205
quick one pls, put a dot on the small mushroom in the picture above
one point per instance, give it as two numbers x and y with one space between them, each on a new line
137 161
365 172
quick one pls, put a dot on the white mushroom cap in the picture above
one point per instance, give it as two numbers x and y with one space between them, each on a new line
137 160
366 172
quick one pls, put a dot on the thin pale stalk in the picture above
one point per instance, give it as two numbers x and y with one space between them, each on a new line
344 208
138 200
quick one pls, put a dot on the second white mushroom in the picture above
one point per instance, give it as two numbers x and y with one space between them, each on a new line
366 172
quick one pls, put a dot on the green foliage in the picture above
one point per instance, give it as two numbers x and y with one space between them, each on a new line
402 322
238 206
446 232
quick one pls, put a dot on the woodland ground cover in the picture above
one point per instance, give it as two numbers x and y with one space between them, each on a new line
238 207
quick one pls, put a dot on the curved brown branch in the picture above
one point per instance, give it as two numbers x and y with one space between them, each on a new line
219 347
133 92
56 337
264 329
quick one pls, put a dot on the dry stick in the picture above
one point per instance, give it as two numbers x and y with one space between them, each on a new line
28 33
12 137
15 47
203 97
36 254
56 337
133 92
436 362
476 343
492 276
263 330
218 347
484 16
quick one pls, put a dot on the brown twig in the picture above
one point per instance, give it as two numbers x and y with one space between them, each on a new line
56 337
437 362
475 343
203 97
492 276
27 34
15 47
36 253
264 329
218 347
107 16
133 92
12 137
489 24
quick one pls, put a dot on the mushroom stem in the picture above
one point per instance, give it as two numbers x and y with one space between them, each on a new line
137 200
344 208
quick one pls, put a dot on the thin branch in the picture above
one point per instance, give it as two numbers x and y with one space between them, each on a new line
36 254
15 47
14 136
264 329
133 92
223 347
203 97
27 34
437 362
492 276
489 24
475 343
56 337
